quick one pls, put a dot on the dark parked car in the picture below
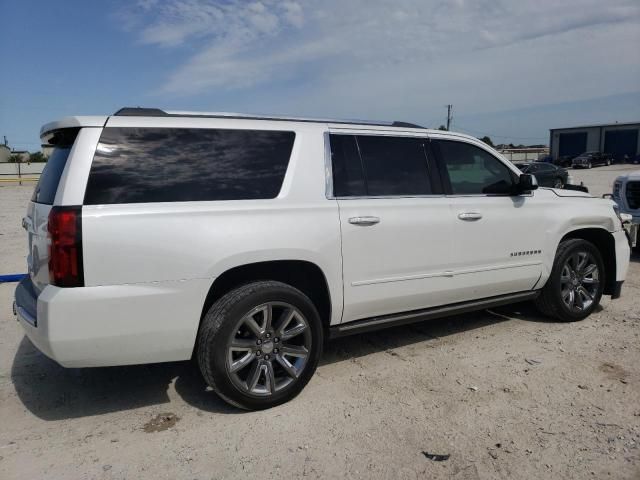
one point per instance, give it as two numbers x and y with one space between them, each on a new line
546 174
563 161
591 159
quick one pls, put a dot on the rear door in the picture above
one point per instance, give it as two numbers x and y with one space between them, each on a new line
36 220
395 224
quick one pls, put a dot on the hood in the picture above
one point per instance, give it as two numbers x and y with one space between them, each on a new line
570 193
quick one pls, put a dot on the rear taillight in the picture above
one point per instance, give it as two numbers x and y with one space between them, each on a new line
65 249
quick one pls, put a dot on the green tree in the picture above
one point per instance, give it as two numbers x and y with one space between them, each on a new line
442 127
487 140
37 157
15 158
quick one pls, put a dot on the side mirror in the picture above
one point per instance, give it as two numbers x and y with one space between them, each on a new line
527 183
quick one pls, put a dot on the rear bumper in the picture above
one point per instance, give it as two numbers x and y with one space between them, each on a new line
113 325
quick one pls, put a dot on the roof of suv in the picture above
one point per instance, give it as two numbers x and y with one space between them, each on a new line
100 121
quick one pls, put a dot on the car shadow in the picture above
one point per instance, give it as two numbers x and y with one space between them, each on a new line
52 392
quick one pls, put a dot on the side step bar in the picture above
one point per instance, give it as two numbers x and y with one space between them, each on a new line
377 323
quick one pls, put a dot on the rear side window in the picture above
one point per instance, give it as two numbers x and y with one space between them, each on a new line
45 191
368 165
142 165
394 165
348 176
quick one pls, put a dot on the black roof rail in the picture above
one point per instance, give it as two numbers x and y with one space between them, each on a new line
140 112
156 112
406 125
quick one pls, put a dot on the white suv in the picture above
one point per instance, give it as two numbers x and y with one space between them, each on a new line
245 241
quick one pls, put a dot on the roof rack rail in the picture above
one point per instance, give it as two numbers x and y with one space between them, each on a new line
156 112
140 112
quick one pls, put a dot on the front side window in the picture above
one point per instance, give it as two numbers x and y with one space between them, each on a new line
141 165
472 170
369 165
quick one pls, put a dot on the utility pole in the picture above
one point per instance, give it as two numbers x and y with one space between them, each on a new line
449 110
5 141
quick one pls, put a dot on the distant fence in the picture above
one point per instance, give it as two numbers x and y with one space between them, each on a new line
12 173
524 154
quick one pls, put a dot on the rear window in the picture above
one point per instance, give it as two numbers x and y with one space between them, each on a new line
142 165
47 186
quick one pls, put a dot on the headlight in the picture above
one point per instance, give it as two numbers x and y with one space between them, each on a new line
616 209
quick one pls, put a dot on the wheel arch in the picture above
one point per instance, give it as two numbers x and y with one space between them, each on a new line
304 275
605 243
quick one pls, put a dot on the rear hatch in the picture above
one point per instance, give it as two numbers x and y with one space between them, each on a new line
36 221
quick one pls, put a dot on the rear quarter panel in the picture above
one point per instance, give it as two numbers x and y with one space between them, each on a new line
183 241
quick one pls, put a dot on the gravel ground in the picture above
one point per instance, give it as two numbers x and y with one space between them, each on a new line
506 393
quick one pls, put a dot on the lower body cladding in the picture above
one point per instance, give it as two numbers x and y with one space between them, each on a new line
115 325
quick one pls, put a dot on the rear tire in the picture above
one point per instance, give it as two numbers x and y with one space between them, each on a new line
575 286
558 183
259 344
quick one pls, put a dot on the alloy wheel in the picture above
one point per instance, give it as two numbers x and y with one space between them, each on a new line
579 281
268 349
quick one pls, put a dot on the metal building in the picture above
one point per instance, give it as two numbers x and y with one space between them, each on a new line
618 139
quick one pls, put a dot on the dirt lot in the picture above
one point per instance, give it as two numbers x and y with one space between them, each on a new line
505 393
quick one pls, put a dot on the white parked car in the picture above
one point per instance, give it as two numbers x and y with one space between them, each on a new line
246 241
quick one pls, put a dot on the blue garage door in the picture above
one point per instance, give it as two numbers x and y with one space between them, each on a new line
572 144
621 142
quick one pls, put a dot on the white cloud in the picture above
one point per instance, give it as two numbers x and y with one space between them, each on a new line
365 55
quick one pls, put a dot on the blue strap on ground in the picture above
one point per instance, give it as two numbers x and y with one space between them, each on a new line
16 277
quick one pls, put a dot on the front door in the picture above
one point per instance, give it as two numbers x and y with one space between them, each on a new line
395 222
497 237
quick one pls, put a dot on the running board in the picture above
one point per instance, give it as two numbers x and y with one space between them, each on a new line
377 323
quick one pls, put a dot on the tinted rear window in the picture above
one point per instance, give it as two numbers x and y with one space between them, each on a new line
140 165
369 165
47 186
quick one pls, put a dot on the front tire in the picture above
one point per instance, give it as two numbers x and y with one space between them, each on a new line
558 183
259 344
575 286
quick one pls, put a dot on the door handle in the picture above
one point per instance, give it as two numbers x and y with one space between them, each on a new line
365 221
470 216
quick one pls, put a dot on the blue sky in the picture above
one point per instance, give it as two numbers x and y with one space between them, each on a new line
511 69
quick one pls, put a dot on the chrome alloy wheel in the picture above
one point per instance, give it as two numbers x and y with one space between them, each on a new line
579 281
268 349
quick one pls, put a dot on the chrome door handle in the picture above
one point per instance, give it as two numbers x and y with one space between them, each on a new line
470 216
364 220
